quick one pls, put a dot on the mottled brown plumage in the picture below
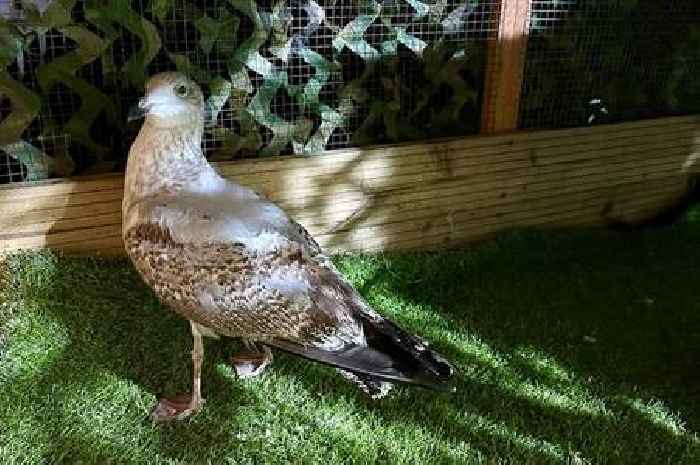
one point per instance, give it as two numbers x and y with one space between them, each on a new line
225 287
235 265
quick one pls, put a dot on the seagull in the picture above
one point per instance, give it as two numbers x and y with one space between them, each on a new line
236 265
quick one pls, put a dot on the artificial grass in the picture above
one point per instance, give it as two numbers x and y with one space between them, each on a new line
571 348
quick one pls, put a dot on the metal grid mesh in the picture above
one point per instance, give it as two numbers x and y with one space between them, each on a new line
298 89
317 75
595 61
21 160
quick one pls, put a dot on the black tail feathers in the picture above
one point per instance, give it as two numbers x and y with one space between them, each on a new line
391 355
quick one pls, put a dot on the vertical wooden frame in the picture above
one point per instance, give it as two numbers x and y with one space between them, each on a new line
505 67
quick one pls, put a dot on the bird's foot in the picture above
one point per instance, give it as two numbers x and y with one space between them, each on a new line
178 407
250 364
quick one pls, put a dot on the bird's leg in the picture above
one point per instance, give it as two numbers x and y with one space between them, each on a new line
253 361
184 405
197 358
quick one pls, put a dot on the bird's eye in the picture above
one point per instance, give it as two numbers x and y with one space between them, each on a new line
181 90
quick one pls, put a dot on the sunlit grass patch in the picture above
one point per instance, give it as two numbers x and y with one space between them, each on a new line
571 348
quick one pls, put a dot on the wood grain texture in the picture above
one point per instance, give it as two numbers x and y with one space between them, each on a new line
411 196
505 67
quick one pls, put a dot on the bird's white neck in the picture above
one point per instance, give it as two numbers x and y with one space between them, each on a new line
164 160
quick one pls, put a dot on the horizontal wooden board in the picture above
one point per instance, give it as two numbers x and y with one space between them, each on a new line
409 196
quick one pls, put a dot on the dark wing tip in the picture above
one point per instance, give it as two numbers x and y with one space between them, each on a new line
438 365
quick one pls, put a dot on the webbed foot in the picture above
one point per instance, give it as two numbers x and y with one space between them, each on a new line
177 407
253 362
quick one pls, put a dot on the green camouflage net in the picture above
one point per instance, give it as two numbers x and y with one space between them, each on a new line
286 76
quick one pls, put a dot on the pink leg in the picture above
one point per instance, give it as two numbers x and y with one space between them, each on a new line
252 362
184 405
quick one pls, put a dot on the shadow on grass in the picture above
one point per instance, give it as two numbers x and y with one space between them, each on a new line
623 309
618 317
562 343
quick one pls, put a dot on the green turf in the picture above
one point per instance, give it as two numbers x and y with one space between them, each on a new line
571 348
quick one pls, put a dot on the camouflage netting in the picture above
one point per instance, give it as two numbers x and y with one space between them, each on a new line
283 76
300 76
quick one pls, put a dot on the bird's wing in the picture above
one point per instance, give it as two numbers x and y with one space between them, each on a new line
239 278
264 277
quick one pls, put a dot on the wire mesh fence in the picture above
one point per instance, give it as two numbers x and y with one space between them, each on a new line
301 76
596 61
282 76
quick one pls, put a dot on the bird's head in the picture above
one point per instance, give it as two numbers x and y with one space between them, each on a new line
172 99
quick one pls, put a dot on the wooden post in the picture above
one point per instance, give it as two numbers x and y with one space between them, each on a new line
504 70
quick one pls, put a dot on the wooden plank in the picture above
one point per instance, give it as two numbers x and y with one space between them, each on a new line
504 184
411 214
436 237
502 215
380 212
565 139
379 167
426 194
505 67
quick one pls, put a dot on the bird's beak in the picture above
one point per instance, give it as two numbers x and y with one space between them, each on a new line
138 111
